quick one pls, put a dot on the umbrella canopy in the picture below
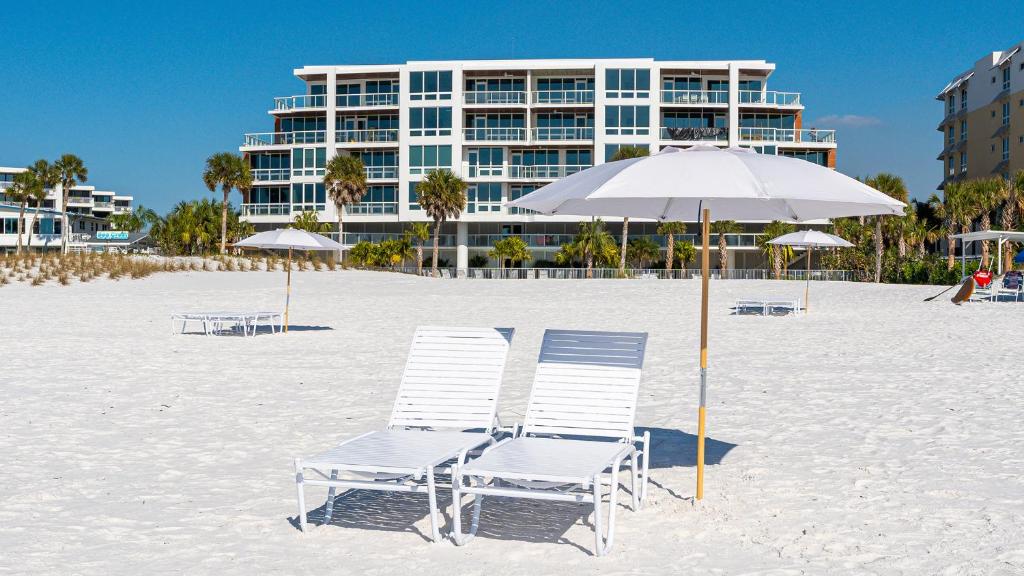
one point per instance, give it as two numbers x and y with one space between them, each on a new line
1019 258
735 183
284 238
731 184
811 238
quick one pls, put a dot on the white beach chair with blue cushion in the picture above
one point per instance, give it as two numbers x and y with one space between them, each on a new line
446 407
577 434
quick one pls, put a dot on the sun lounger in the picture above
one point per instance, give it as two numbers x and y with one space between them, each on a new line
1012 285
768 306
577 434
446 407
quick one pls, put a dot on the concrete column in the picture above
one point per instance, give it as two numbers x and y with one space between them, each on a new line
462 249
734 104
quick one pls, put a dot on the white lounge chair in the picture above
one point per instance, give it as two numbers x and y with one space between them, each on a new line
446 407
577 434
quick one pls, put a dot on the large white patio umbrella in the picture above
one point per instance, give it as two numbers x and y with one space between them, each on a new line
290 238
731 184
809 239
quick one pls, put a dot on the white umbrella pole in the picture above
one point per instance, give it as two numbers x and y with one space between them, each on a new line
807 288
705 265
288 291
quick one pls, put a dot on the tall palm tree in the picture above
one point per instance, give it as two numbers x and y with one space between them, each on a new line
723 227
513 248
950 208
345 182
1013 207
776 254
568 255
228 171
685 251
593 240
310 222
72 172
135 220
669 230
420 232
21 191
989 194
894 187
48 177
642 251
442 195
625 153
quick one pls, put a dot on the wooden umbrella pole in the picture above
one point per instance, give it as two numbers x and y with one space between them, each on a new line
288 291
705 266
807 288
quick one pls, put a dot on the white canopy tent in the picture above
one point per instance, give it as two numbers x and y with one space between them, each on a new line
1000 236
701 181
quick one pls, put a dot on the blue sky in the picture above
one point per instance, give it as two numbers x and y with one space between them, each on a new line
144 93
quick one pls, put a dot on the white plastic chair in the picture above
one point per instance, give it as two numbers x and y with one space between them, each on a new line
446 407
577 434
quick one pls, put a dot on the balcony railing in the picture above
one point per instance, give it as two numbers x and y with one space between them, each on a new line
351 238
695 133
563 97
121 209
284 138
270 174
371 135
695 96
372 208
564 133
532 240
104 205
544 172
769 97
266 209
387 99
741 240
301 101
80 200
494 97
494 134
812 136
381 172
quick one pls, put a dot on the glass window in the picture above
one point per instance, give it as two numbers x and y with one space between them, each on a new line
963 99
963 162
1006 148
425 159
963 129
308 161
611 149
483 197
414 197
303 124
952 103
485 161
379 199
1006 78
819 157
308 196
430 121
430 85
949 135
1006 113
627 120
627 83
579 158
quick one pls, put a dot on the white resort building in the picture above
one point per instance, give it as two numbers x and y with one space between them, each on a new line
89 212
508 127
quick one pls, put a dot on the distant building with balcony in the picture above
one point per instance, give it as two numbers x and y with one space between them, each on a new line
983 118
508 127
89 212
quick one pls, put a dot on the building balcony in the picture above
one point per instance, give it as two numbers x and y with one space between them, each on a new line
516 97
544 172
562 97
102 205
352 238
532 240
563 133
121 209
80 201
695 97
695 134
494 134
381 172
769 98
266 209
271 174
384 100
301 102
788 135
371 136
372 208
263 139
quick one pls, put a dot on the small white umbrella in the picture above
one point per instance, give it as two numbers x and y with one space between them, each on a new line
810 239
734 183
289 238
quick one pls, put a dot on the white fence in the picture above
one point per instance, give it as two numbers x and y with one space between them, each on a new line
630 273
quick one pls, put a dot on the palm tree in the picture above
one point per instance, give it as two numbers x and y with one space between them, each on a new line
135 220
513 248
443 197
21 191
669 230
776 254
420 232
894 187
643 250
310 222
686 251
228 171
723 227
568 255
1013 206
594 241
989 194
345 182
625 153
71 172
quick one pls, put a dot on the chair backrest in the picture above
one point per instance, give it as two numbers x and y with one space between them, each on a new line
452 378
586 384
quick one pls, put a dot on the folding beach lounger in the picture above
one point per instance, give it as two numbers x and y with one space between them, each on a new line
445 408
577 434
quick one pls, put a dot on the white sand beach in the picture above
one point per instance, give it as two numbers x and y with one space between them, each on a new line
878 434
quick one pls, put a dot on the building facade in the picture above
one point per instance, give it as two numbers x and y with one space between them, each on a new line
89 212
983 119
508 127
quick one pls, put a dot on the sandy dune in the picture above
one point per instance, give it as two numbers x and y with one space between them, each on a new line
877 435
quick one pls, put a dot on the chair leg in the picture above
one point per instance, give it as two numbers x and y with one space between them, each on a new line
329 505
647 461
604 545
301 494
457 535
634 481
435 534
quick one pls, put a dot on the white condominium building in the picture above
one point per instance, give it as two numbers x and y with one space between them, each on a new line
89 210
508 127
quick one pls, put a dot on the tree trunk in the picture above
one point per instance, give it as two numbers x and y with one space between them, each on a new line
622 252
21 224
986 224
671 251
723 254
224 220
879 248
419 257
950 250
437 232
777 262
590 264
65 225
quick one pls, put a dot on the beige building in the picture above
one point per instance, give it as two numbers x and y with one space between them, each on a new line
983 118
